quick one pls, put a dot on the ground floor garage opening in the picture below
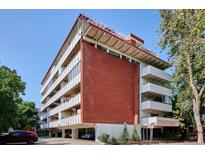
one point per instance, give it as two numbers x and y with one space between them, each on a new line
86 133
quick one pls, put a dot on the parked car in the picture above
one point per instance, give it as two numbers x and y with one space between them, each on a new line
89 136
19 136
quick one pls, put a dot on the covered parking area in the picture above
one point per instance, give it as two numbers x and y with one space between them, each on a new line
78 131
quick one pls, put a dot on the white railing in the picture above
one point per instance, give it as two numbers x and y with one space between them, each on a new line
53 124
160 74
71 46
69 68
64 90
43 116
71 120
44 126
66 105
150 87
158 106
160 121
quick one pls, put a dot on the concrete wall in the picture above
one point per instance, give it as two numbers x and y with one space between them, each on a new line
114 130
109 88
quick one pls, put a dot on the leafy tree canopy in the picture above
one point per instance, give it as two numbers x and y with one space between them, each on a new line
11 87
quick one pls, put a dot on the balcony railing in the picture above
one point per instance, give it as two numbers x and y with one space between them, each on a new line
44 126
150 87
157 106
155 73
71 46
72 120
65 105
160 121
63 91
65 72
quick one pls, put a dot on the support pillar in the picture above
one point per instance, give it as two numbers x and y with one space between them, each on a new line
56 134
63 133
74 133
143 133
162 130
147 131
50 133
151 134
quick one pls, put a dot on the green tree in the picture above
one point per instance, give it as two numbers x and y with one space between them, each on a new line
27 115
11 88
124 136
135 136
183 35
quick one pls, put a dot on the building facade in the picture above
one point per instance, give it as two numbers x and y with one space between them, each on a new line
100 80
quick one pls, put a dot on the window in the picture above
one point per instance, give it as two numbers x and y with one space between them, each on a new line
74 72
114 53
101 48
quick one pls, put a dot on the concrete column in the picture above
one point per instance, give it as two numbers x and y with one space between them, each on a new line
143 134
162 130
74 133
151 134
50 133
63 133
147 131
56 134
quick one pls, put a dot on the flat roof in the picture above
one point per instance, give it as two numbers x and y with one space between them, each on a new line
99 32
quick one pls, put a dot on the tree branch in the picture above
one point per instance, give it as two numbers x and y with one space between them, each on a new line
202 90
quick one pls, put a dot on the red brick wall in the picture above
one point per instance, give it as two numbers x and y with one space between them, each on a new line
109 89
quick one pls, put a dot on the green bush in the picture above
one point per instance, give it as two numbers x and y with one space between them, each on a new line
171 136
124 137
135 136
104 138
113 141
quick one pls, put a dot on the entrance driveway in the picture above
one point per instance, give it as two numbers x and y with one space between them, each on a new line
64 141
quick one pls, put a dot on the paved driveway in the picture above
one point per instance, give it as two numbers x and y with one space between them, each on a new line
64 141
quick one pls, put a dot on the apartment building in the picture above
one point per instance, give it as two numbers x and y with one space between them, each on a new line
101 79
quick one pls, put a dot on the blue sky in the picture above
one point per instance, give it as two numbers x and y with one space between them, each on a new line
30 39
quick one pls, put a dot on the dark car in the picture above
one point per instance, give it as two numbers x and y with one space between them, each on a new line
19 136
88 136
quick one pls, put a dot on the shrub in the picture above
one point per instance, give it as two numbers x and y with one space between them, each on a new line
135 136
124 137
104 138
113 141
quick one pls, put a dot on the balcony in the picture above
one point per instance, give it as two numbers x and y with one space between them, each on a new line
44 126
64 73
43 116
63 91
156 106
153 88
72 120
160 121
73 43
154 73
65 105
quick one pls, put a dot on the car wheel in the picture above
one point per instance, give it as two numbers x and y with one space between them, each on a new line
30 142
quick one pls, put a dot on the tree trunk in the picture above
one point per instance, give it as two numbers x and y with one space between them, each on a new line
199 127
196 102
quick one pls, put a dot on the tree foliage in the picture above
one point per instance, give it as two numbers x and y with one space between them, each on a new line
27 115
11 87
183 35
14 112
124 136
135 136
